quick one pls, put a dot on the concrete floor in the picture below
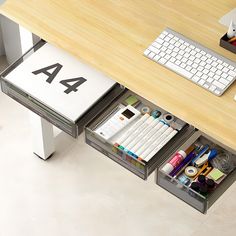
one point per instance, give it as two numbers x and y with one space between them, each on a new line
80 192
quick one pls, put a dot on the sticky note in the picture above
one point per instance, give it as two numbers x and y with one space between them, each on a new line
131 100
216 174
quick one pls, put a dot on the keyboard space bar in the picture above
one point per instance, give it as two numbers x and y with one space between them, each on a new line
178 70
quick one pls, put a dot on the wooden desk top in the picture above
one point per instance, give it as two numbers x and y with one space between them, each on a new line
112 35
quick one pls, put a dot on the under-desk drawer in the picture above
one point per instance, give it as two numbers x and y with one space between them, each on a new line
58 87
143 147
194 180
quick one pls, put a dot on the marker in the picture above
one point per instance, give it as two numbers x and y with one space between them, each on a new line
162 127
146 137
167 138
131 130
141 134
137 131
154 141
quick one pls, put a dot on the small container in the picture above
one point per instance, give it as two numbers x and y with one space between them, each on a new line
210 183
225 44
201 179
174 162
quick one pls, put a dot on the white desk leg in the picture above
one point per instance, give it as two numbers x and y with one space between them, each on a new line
17 40
42 136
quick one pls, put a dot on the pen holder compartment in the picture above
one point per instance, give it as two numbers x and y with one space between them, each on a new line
139 167
189 191
225 44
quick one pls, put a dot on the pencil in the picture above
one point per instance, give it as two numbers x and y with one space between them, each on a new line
232 39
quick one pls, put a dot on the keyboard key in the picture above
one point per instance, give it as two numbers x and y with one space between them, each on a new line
184 60
157 57
189 62
199 73
176 49
179 57
230 78
205 71
224 75
200 68
151 55
162 54
213 69
188 68
216 77
202 63
225 64
232 73
225 70
212 88
193 71
162 36
205 77
153 49
201 82
224 81
206 86
159 40
146 52
210 79
168 51
188 50
192 58
177 62
162 60
163 48
217 91
167 56
195 78
178 69
209 61
156 45
218 84
214 63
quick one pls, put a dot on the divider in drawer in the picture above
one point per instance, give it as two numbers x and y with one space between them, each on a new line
203 175
140 140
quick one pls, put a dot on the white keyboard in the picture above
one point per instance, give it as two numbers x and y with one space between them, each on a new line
193 61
